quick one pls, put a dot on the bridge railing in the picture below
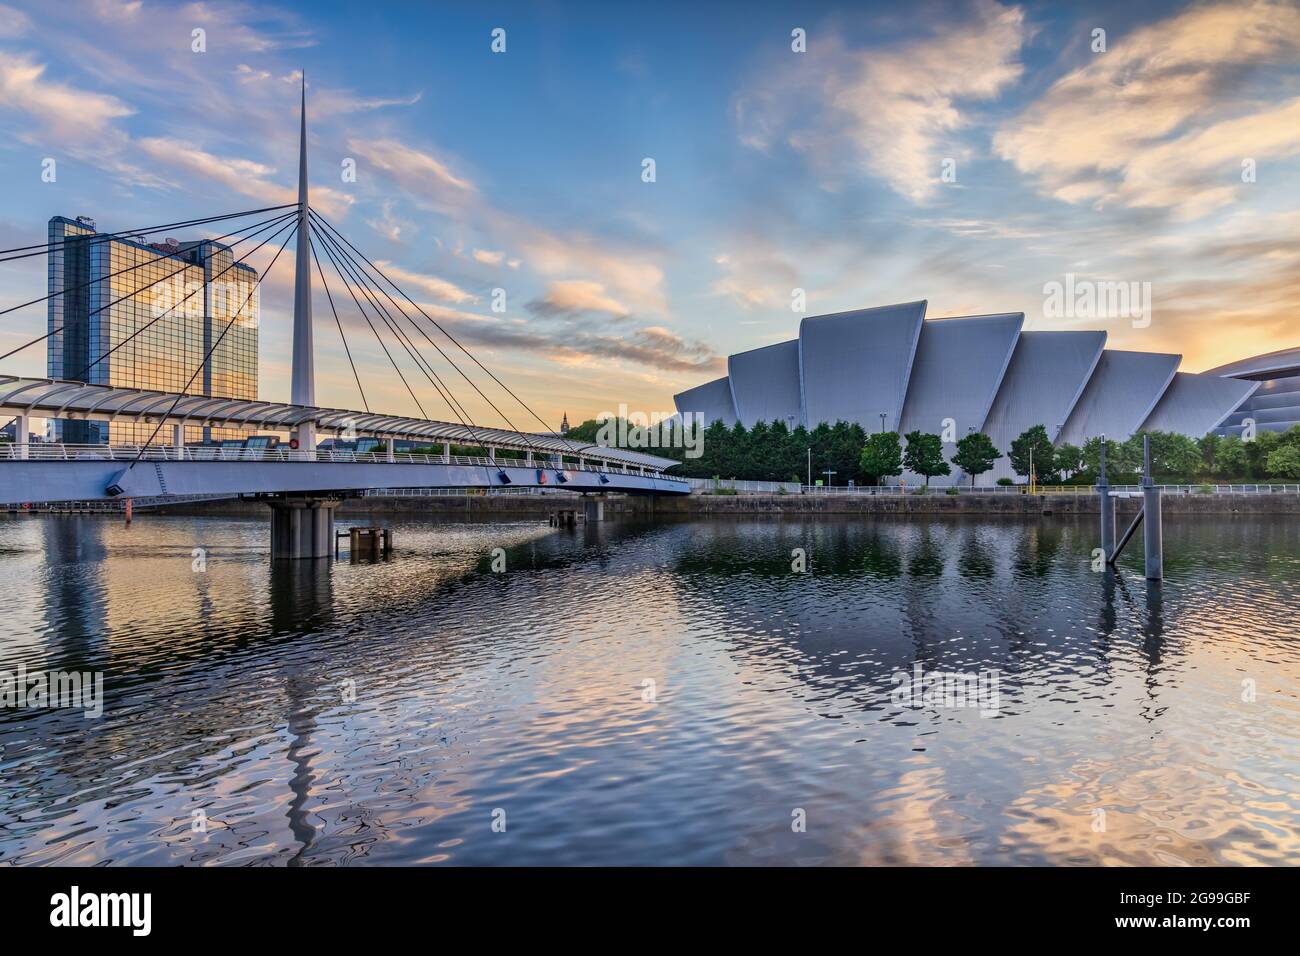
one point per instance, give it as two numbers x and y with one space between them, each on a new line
1207 488
56 451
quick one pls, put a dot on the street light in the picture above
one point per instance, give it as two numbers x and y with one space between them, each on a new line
882 423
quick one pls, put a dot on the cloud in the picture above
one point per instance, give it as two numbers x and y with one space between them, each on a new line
13 22
1152 122
756 277
652 346
65 111
440 289
244 176
576 296
488 257
420 173
630 275
896 111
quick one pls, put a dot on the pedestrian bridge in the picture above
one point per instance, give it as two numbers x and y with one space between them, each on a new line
52 472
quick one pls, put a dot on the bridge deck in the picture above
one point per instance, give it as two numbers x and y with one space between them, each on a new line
97 472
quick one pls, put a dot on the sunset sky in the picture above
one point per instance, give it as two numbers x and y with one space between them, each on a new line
775 170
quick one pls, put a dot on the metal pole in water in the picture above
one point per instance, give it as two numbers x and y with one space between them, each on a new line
1152 538
1107 507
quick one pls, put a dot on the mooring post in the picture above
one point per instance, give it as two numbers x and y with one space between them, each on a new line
1152 537
1107 508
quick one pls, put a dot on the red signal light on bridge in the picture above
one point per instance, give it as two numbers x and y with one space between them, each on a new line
293 443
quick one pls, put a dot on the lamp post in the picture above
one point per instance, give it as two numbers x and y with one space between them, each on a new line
882 423
828 472
809 464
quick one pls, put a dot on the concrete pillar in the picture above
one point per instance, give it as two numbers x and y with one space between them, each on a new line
306 435
22 424
1107 503
528 457
389 449
178 441
593 508
1152 533
446 452
1106 507
492 454
302 527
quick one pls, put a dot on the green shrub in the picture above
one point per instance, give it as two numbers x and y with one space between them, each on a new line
951 491
1006 482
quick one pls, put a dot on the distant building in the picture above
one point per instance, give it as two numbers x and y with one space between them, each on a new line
196 287
1275 405
891 369
564 424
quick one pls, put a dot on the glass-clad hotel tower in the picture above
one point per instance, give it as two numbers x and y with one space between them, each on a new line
98 301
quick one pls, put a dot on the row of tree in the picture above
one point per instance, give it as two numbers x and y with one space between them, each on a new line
775 452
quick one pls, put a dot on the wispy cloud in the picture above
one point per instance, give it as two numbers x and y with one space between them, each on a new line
576 296
1153 121
892 111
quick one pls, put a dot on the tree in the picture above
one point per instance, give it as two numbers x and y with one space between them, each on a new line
1284 462
1173 456
882 456
1122 459
1033 445
1068 460
1231 458
1209 448
976 454
924 455
1257 452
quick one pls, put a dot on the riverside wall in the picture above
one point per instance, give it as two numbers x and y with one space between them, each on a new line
484 507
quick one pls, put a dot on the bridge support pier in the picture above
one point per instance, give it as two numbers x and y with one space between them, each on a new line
302 527
21 424
593 509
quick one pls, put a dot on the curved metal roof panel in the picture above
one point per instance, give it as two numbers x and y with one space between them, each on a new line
1044 379
55 398
960 362
712 400
958 367
1194 405
765 384
1283 362
855 365
1122 392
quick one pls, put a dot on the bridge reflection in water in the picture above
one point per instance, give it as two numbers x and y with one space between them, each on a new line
524 689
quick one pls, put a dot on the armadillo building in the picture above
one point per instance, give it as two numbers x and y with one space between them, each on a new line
891 369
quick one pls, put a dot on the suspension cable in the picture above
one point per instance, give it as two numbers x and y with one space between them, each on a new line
182 393
423 364
471 382
138 265
321 272
378 338
257 227
99 237
321 219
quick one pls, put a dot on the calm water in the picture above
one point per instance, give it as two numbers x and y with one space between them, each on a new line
482 696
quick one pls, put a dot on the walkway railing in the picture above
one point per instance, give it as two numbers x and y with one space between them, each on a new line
463 492
1196 489
51 451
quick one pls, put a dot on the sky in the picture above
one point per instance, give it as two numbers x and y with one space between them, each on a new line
966 153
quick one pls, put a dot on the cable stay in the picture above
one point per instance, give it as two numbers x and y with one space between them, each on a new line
457 410
258 227
96 238
183 392
319 219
